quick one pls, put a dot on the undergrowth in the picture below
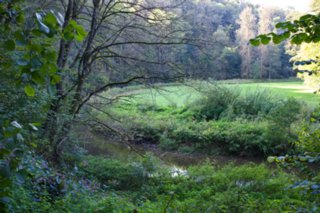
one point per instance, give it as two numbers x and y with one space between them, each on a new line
224 120
100 184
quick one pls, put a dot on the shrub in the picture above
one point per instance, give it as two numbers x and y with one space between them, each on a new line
236 138
217 101
253 105
231 104
280 122
240 138
205 188
246 188
114 173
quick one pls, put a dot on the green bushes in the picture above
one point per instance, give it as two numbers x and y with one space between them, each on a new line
117 174
245 188
280 124
248 139
225 120
213 105
225 137
204 188
229 103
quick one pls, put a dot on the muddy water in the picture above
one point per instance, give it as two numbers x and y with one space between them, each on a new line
100 145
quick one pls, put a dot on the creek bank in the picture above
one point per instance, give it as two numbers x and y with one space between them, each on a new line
100 145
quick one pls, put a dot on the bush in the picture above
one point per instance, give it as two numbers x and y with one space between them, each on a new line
239 138
204 188
236 138
115 174
280 121
246 138
215 103
254 105
226 120
231 104
246 188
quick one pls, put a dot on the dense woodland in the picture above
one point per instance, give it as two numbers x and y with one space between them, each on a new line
79 75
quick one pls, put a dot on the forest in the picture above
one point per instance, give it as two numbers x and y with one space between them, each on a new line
159 106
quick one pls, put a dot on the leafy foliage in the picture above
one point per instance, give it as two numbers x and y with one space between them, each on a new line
29 62
228 103
223 120
305 29
204 188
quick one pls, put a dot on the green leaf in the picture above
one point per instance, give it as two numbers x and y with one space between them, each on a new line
35 47
50 55
38 78
20 18
74 31
50 19
33 145
55 79
29 91
9 45
265 40
286 35
296 40
307 17
49 69
254 42
280 25
271 159
73 23
81 33
277 39
68 36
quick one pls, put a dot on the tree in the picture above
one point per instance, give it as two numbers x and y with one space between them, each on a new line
303 30
247 22
270 61
27 68
306 53
223 51
118 33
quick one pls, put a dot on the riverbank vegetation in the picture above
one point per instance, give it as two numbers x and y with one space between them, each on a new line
224 119
148 186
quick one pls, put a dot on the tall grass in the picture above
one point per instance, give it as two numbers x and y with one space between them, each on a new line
222 102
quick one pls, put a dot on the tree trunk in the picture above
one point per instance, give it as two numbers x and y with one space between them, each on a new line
51 123
83 71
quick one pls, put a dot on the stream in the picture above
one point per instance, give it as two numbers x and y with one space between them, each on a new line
121 151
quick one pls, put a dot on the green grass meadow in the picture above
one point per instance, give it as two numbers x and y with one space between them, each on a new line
230 117
183 94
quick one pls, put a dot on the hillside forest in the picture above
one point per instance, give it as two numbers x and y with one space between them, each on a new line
159 106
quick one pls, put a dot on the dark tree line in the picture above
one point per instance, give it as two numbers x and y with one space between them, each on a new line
222 29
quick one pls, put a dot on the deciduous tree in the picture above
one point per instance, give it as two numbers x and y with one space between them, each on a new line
247 22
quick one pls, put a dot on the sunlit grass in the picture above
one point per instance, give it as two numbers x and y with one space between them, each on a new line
183 94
